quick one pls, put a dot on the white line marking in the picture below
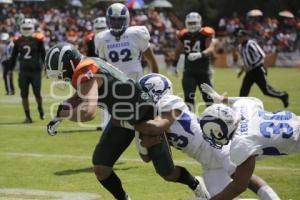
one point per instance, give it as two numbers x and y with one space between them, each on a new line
74 157
51 194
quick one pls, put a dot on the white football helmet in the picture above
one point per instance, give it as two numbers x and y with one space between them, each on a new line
117 16
218 123
27 27
193 22
156 85
99 24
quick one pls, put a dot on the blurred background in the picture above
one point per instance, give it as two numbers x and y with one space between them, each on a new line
274 23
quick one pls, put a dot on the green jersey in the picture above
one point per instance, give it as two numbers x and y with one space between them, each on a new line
122 97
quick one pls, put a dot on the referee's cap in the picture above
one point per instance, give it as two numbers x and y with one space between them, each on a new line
240 32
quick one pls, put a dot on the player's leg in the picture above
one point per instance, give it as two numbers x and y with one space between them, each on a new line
36 82
189 85
112 144
246 84
5 77
161 157
262 189
216 180
261 81
24 81
205 78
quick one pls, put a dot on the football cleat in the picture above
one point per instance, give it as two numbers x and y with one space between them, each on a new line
27 120
201 190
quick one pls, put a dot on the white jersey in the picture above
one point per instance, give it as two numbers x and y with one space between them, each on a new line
126 53
263 133
185 134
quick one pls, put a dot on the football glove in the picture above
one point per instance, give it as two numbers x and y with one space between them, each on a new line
53 125
212 93
194 56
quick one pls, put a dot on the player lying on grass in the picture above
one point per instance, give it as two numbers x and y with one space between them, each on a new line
183 131
99 84
251 132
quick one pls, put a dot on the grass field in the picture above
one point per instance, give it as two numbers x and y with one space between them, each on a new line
32 160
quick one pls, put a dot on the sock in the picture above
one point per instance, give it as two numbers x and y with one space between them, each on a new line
187 179
267 193
40 109
114 186
27 113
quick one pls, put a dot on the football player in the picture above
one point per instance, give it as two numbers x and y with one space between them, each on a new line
30 51
6 46
99 25
184 133
253 133
124 46
99 84
197 43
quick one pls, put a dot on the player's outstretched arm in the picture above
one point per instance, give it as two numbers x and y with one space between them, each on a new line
217 98
240 181
158 125
149 56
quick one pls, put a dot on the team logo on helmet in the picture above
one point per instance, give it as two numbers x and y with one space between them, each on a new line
218 123
156 85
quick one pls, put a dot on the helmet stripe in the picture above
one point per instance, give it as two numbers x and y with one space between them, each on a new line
50 56
123 11
61 55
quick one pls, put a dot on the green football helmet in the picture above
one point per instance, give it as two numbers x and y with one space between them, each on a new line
61 61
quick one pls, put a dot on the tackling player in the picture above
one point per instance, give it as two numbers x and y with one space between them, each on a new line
99 84
184 133
99 25
197 43
253 133
30 50
124 46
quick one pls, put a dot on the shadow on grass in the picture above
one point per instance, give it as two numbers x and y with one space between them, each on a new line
13 123
90 170
78 131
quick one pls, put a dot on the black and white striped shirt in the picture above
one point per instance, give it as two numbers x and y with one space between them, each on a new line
252 55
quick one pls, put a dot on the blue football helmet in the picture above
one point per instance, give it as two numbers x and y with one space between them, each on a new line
117 17
218 123
156 85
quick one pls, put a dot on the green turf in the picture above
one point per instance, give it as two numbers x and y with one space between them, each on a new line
31 159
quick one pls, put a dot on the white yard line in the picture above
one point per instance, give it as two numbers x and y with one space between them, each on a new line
48 194
74 157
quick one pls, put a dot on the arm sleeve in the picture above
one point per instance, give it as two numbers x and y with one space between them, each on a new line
142 37
170 102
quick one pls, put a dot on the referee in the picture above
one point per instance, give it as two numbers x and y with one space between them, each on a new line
253 59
